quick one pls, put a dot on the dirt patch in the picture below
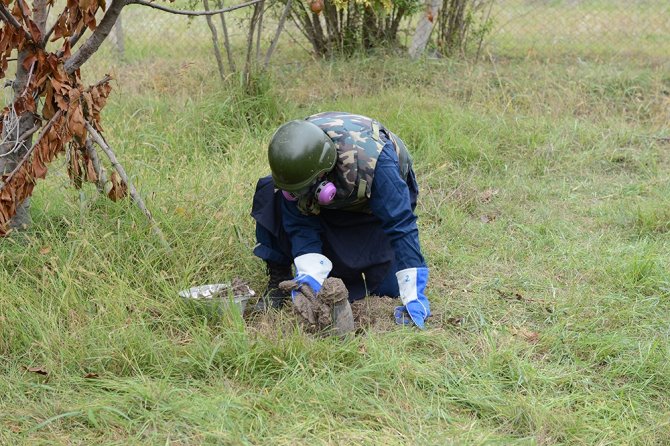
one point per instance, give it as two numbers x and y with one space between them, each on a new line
372 314
375 314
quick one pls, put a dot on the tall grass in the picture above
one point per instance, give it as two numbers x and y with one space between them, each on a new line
542 217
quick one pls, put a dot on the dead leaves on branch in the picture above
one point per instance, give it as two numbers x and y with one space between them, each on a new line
66 105
65 129
119 189
75 17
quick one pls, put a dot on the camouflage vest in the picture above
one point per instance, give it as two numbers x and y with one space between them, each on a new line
359 141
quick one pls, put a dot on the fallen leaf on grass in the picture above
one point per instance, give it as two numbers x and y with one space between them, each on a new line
38 370
488 194
510 295
455 321
513 295
527 335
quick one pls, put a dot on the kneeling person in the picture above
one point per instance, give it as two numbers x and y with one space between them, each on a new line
340 202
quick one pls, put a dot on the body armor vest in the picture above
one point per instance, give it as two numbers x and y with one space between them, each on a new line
359 141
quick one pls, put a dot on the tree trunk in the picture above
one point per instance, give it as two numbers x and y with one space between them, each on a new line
395 23
226 39
275 39
369 28
330 13
215 40
259 31
250 45
452 26
425 27
304 24
119 41
318 34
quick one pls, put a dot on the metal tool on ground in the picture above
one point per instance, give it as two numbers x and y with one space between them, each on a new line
220 297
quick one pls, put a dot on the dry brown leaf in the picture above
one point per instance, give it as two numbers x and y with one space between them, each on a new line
38 370
488 194
527 335
61 101
119 189
60 29
61 92
74 169
48 110
76 123
91 176
28 61
66 49
510 295
35 32
455 321
20 10
39 168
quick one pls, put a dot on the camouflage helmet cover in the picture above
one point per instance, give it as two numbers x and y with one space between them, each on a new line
298 153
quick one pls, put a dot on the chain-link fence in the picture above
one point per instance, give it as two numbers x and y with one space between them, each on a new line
609 28
545 28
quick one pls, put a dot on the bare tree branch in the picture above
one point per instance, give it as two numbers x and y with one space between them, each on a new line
25 158
226 40
43 132
250 41
97 165
74 38
40 14
215 40
275 39
259 29
45 39
193 13
91 45
131 188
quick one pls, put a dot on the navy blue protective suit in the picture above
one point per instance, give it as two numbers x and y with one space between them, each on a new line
366 249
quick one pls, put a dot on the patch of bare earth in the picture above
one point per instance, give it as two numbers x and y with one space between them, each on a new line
375 314
371 314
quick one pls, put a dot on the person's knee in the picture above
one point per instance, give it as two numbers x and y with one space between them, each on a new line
388 286
268 254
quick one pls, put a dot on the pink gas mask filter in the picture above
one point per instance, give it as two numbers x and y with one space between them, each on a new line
324 193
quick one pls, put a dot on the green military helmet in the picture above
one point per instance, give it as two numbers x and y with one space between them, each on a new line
298 153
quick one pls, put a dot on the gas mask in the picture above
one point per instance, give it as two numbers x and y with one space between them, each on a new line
324 193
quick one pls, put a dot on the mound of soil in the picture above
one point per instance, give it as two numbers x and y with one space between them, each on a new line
372 314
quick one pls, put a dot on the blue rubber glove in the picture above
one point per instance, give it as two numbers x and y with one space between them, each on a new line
312 270
416 309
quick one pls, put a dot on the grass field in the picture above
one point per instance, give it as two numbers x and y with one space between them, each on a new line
544 217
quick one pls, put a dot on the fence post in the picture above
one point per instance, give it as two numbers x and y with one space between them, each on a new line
117 37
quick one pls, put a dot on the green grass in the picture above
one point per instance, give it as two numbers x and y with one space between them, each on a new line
562 290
